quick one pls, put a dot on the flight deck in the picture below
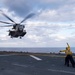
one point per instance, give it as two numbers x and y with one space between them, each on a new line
34 65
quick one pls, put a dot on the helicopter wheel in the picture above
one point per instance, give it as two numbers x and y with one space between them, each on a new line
11 37
20 37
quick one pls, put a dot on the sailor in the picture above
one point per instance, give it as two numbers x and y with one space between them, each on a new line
68 57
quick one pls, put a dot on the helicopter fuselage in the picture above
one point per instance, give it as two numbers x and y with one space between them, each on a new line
14 33
17 31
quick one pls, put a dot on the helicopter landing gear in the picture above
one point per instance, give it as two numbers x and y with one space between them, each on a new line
12 37
20 37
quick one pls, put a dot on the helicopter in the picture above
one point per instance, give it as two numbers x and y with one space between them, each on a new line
17 28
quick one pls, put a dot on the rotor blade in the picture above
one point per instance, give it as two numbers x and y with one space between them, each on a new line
6 26
5 22
7 16
29 16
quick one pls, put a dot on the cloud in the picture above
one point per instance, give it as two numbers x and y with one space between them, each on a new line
52 27
49 10
25 6
3 37
35 38
10 14
21 8
63 14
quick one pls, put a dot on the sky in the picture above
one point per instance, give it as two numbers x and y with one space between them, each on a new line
52 26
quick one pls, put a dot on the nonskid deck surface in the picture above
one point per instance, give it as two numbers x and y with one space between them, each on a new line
34 65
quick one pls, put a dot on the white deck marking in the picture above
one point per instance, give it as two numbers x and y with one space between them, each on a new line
20 65
35 57
62 71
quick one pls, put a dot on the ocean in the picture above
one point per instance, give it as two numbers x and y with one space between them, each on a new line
36 50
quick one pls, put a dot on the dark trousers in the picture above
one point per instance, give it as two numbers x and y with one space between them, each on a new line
66 59
69 58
